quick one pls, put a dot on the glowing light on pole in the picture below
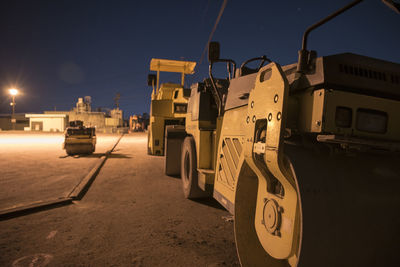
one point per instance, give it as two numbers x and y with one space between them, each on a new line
13 92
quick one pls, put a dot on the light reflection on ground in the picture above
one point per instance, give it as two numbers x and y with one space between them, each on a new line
30 139
35 167
26 140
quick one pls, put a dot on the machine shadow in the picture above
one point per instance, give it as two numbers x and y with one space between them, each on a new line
112 155
176 176
118 156
211 202
94 155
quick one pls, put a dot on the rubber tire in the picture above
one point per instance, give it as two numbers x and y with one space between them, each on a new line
173 142
190 185
148 140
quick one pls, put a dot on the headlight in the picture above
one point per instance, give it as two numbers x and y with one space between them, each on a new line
343 117
373 121
180 107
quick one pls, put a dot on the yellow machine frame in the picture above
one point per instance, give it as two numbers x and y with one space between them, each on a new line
305 156
168 101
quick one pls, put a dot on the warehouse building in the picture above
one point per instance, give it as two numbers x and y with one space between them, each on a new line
20 122
107 121
47 122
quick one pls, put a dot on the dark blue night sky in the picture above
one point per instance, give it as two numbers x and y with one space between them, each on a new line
56 51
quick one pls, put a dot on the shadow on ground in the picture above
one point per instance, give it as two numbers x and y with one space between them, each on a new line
99 155
118 156
94 155
210 202
178 176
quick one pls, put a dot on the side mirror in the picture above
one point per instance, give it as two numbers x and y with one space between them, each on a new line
151 79
213 51
393 4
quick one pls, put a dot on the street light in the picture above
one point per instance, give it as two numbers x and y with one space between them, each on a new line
13 92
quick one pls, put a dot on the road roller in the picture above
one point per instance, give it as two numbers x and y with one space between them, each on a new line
168 101
79 139
304 156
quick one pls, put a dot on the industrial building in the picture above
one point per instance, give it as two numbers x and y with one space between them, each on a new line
108 122
47 122
19 124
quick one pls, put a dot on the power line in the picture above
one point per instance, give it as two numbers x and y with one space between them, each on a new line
221 11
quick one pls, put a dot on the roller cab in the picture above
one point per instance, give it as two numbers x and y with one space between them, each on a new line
168 101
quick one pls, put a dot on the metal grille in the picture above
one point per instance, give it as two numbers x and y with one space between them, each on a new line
229 160
368 73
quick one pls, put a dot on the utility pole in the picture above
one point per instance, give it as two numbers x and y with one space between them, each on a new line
13 92
116 99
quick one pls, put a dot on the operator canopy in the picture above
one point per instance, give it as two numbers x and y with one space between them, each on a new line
167 65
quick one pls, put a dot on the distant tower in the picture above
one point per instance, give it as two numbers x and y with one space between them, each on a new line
84 104
88 103
116 100
80 106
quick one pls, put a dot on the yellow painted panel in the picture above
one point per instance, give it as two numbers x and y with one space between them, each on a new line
169 65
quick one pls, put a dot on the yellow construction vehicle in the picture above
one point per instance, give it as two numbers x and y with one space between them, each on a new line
168 101
79 139
136 123
305 156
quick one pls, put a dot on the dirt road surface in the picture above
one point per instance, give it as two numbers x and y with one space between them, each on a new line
34 167
132 215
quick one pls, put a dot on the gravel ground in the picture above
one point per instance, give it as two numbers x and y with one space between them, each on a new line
132 215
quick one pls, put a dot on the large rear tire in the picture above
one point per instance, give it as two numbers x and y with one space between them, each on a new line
189 178
148 142
174 137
